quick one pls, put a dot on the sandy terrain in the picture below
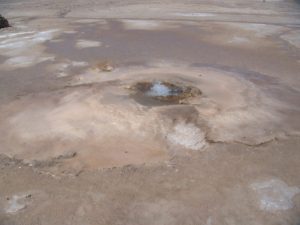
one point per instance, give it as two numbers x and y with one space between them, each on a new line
150 112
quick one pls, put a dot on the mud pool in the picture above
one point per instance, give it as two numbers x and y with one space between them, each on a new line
162 93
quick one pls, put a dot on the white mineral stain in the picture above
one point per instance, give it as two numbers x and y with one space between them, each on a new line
140 24
56 40
145 24
188 136
87 44
79 63
88 21
195 14
292 38
275 194
63 69
25 61
238 40
24 40
15 204
24 48
70 32
259 30
10 35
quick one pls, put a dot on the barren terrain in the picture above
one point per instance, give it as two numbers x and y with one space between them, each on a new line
150 112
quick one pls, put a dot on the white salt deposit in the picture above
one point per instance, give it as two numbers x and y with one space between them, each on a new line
275 195
10 35
292 38
87 43
15 204
259 30
79 63
24 48
239 40
188 136
142 24
63 69
25 39
25 61
195 14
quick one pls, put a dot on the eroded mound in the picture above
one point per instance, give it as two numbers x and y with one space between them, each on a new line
105 127
47 127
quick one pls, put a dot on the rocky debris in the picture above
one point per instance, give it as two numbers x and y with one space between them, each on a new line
53 161
3 22
104 66
67 155
6 161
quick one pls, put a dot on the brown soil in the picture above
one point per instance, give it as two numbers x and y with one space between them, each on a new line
83 143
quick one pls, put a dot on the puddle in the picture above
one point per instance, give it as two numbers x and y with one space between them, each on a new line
162 93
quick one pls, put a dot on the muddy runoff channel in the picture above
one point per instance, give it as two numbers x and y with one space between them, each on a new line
136 116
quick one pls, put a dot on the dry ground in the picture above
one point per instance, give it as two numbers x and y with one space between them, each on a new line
79 146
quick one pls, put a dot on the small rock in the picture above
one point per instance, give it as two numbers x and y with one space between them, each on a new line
104 66
107 68
28 196
3 22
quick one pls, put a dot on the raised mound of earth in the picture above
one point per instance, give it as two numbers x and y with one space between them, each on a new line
110 123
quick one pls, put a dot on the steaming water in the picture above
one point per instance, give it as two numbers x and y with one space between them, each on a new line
160 89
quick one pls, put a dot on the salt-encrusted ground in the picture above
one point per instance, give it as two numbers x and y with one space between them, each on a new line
80 146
